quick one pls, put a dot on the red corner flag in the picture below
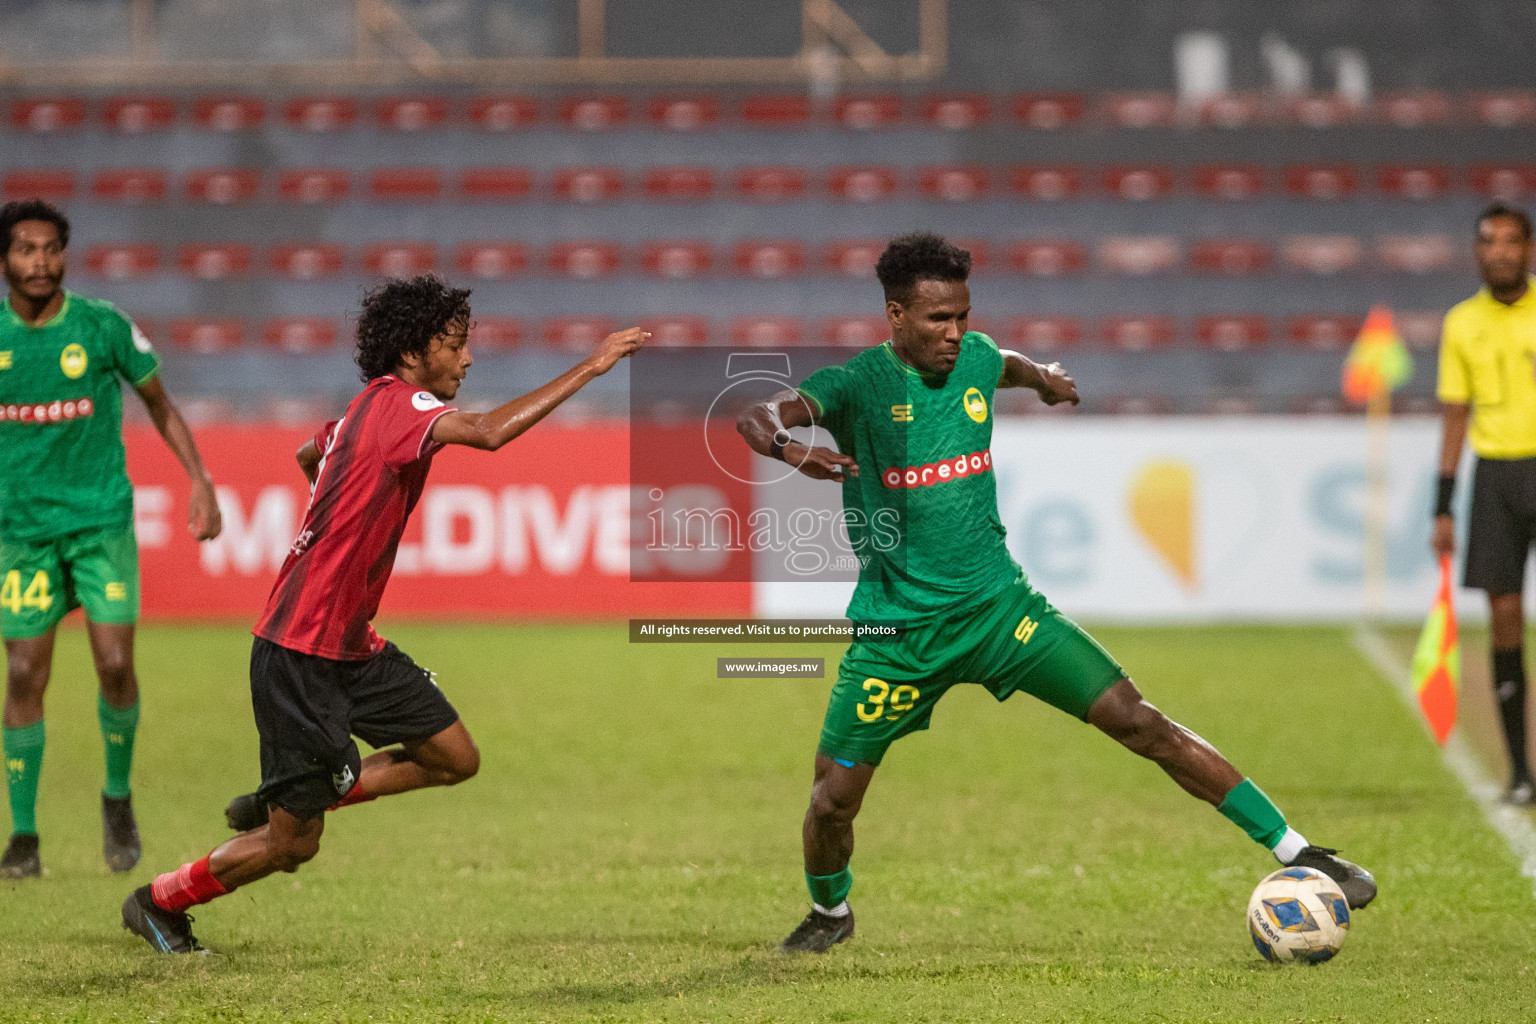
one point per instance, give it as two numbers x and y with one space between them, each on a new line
1437 661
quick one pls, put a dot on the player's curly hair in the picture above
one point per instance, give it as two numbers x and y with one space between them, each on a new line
33 209
919 256
404 315
1514 213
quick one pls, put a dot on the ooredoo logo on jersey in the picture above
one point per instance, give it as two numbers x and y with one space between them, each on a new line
54 412
957 468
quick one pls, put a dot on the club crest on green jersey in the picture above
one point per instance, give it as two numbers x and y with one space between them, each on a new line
73 361
975 405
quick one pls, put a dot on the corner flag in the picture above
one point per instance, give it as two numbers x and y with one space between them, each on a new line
1437 661
1378 362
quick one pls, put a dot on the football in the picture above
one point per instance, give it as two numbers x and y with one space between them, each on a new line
1298 914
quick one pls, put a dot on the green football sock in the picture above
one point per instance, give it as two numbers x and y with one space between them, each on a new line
829 890
1249 809
23 764
118 726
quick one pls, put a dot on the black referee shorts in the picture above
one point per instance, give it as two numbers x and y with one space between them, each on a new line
1502 525
308 709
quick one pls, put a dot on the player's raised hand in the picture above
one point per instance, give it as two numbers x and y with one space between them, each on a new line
204 522
821 463
616 346
1055 386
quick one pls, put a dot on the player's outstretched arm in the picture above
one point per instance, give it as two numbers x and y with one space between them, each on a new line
489 431
764 427
1048 380
203 519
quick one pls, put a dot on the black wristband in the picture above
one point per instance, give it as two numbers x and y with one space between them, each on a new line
776 446
1443 495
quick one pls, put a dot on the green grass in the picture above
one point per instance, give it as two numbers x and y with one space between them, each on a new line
630 851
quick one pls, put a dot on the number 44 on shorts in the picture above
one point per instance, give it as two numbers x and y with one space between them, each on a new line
36 595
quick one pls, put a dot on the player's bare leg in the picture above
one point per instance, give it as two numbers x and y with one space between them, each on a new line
1506 626
28 663
1199 768
118 711
836 797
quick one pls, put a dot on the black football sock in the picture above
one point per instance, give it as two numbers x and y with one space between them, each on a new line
1509 691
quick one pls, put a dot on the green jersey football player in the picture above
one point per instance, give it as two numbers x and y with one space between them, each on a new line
912 419
66 514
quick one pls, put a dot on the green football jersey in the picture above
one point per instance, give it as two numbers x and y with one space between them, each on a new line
922 513
62 464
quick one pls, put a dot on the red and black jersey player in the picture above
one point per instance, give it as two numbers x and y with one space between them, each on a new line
319 673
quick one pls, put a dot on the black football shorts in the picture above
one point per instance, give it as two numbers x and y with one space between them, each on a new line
1502 525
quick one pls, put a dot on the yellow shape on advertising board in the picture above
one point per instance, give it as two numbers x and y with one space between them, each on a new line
1162 505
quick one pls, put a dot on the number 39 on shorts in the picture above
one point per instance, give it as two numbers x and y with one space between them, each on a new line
885 701
37 594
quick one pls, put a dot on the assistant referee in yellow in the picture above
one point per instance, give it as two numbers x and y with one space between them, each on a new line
1488 378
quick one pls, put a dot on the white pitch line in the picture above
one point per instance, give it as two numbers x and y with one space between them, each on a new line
1508 821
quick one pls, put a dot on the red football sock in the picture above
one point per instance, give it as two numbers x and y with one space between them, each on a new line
185 887
355 795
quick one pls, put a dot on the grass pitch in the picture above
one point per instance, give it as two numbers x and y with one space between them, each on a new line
630 851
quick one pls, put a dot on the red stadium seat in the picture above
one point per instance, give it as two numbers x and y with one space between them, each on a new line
1412 109
1230 257
584 260
1503 181
854 258
1325 332
300 335
576 333
679 183
1321 110
589 184
594 113
866 113
495 333
862 184
1508 108
492 261
1416 254
855 331
677 331
953 183
1045 184
1321 254
1042 334
957 113
676 261
1231 332
768 260
1138 333
228 113
503 113
1139 109
495 184
33 183
1230 181
405 184
1421 330
400 259
685 113
214 262
1138 183
1048 111
411 113
1139 255
1414 181
122 261
791 111
1047 257
766 332
222 186
313 185
135 115
770 184
1233 110
1321 181
44 116
320 114
299 262
208 337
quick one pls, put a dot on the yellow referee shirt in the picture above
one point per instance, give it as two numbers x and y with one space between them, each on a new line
1488 360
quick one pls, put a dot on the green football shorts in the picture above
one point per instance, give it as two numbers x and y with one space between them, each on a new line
1015 640
42 580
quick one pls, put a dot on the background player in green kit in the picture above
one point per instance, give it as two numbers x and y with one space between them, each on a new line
66 513
913 424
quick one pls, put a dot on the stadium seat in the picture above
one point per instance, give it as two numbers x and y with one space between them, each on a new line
1139 109
1229 181
46 115
1508 108
1321 181
1047 257
788 111
576 333
1321 254
411 113
677 331
1042 334
1045 183
1414 181
1232 332
222 186
1138 333
130 185
1417 254
589 184
676 261
768 260
495 184
1412 109
861 184
766 332
1137 183
1321 110
1420 330
135 115
299 262
953 183
228 113
495 333
1511 182
980 250
1138 256
679 183
866 113
320 114
300 335
1323 332
854 258
855 331
1230 257
584 260
34 183
1231 111
957 113
214 261
313 185
122 261
492 261
405 184
1048 111
684 113
503 113
770 184
207 336
399 259
594 113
